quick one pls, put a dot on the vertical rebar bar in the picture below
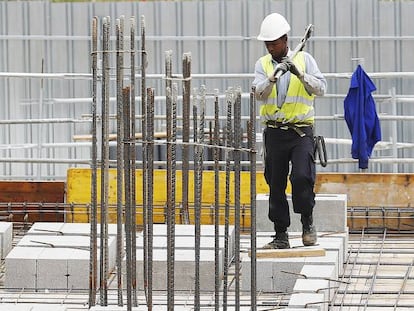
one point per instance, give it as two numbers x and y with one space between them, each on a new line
145 183
133 164
216 142
227 197
150 179
119 150
104 163
94 156
252 155
127 175
198 181
186 133
237 156
170 199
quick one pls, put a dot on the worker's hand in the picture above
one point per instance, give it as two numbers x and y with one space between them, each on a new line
292 67
280 69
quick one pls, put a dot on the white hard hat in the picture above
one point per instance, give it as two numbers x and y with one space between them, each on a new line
273 27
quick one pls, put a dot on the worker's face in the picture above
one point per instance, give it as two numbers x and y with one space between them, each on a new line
277 48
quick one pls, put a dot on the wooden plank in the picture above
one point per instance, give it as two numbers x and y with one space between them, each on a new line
290 252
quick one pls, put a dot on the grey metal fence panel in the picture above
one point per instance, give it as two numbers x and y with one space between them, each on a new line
38 36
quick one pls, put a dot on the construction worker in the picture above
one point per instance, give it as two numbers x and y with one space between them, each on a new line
287 113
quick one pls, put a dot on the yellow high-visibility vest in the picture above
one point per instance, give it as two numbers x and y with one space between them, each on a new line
298 105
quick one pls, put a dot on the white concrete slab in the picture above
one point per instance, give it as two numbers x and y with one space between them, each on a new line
31 307
6 238
315 286
280 274
306 300
187 242
330 213
68 228
40 267
315 272
184 269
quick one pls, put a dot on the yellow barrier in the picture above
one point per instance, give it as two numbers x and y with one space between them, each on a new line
79 192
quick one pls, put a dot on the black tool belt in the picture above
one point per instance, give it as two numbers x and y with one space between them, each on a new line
286 126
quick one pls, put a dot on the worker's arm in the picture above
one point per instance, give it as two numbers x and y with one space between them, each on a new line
262 82
312 79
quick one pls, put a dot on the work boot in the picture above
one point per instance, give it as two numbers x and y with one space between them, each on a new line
309 235
280 241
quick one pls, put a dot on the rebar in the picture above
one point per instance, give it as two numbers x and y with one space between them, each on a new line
145 184
216 154
104 163
128 206
93 211
150 175
170 198
186 133
120 155
252 155
227 199
132 120
198 180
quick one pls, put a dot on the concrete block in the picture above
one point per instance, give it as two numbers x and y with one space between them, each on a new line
315 286
187 242
280 274
6 238
327 243
306 300
67 228
34 267
188 230
184 267
329 272
330 213
21 268
31 307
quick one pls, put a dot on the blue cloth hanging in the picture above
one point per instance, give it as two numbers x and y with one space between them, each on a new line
361 116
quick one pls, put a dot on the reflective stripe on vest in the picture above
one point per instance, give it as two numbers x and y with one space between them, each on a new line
298 105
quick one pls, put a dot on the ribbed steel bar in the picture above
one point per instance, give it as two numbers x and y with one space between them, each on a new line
132 120
216 155
104 163
229 138
198 181
374 278
150 179
186 133
145 171
252 156
237 156
127 193
171 240
119 24
170 199
93 261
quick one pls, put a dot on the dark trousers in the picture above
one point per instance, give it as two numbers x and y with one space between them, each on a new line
284 147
